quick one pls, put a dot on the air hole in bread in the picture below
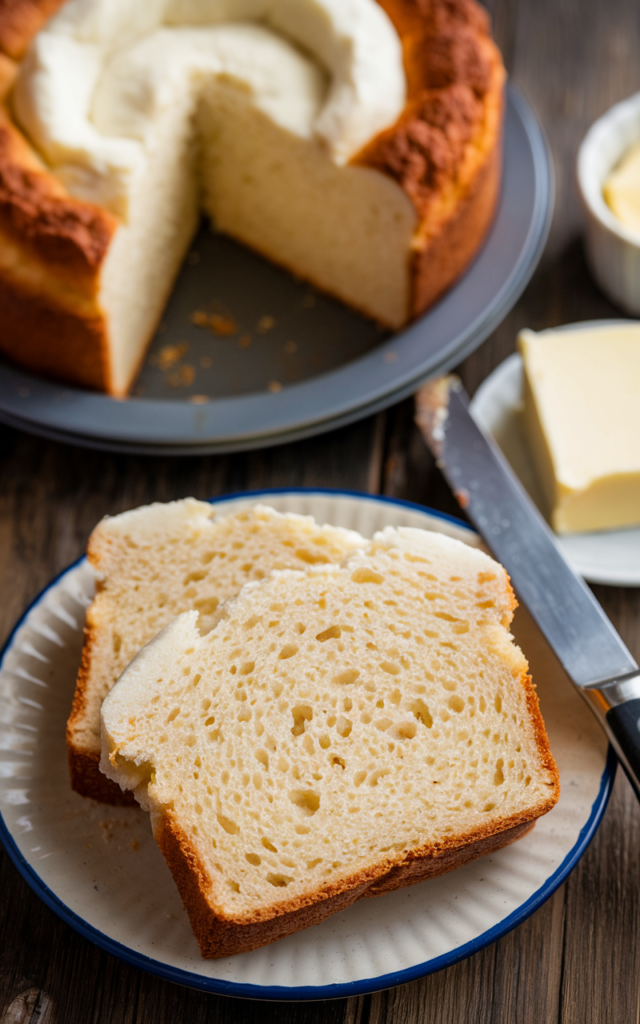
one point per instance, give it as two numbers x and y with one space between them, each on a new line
227 824
403 731
306 800
268 845
194 577
332 633
310 558
344 726
347 677
456 703
288 651
365 575
390 668
301 714
279 880
254 859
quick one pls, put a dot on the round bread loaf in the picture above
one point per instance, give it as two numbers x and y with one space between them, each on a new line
378 187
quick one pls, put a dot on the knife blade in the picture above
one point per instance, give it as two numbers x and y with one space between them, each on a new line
573 622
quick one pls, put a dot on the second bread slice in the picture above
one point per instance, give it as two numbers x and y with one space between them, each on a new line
158 561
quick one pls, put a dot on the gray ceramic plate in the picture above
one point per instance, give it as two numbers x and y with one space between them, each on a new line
295 362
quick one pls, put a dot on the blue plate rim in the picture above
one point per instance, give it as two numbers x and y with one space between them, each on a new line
306 992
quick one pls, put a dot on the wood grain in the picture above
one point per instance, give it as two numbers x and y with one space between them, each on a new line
577 960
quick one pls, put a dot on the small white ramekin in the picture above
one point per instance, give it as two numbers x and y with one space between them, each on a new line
613 250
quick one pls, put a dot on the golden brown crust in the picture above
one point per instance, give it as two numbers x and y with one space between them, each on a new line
84 763
20 20
442 259
445 150
65 234
30 321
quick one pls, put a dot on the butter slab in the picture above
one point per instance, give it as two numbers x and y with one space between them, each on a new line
582 420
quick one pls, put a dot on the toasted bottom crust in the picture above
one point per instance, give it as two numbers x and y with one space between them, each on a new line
219 938
88 780
44 338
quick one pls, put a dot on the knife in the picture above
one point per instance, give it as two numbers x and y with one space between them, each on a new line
564 608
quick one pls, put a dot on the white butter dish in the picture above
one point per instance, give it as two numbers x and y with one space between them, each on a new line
613 250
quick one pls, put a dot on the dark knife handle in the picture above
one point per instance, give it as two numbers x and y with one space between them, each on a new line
624 727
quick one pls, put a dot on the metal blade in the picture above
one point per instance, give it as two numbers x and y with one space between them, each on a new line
563 606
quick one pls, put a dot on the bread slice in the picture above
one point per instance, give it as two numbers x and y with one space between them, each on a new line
342 732
158 561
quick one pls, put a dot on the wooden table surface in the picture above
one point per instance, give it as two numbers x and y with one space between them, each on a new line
577 960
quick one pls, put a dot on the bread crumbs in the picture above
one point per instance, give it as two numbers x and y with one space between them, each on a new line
266 323
223 325
172 354
182 377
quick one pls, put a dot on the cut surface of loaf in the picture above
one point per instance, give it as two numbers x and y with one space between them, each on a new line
340 732
158 561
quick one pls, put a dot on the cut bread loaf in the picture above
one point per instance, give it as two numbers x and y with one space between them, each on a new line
357 144
158 561
340 733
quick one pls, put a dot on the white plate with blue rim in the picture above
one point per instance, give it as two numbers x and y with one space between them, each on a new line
611 557
100 870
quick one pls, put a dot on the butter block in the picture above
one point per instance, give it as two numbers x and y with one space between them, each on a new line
622 189
582 420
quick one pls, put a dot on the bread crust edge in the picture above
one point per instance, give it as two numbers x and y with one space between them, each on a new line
84 762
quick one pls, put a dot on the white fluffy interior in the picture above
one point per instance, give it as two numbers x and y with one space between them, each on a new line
332 721
346 229
161 560
147 251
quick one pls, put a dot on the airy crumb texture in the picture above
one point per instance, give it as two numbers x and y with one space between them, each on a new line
161 560
339 733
